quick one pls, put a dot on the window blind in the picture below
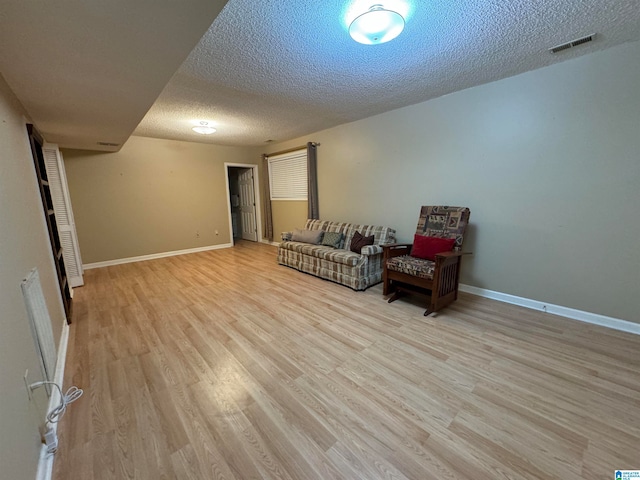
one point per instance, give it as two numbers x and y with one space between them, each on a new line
288 176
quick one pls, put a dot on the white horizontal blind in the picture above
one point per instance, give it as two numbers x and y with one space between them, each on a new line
288 176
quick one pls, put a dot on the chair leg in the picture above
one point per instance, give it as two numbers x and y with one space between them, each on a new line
396 295
445 287
388 286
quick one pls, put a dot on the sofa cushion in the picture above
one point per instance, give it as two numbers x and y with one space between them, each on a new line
345 257
307 236
413 266
382 235
358 241
427 247
332 239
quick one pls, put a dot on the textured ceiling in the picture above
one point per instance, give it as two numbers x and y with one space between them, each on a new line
278 69
88 70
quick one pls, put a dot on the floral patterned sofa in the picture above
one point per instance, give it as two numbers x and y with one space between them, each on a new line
356 270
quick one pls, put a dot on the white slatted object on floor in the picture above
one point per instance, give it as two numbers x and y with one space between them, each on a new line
40 324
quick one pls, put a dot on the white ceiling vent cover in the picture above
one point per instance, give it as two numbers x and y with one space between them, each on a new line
573 43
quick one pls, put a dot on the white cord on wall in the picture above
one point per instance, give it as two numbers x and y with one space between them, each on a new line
72 394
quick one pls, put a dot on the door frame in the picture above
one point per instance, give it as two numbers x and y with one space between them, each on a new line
256 196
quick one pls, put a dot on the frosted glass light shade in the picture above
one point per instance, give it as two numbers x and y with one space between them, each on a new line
204 129
377 25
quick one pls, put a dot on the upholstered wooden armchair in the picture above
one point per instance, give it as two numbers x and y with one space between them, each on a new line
436 274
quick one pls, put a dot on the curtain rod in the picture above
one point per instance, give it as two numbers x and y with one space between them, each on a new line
289 150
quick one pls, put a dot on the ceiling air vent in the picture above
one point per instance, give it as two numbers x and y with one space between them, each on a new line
108 144
573 43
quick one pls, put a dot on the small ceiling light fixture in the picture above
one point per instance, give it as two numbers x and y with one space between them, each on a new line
377 25
204 129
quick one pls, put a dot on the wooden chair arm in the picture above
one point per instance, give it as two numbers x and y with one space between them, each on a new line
391 250
396 245
452 254
448 257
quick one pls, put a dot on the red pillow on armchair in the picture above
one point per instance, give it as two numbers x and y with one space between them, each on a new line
427 247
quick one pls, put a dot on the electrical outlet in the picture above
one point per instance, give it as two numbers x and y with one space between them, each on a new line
216 232
197 234
26 383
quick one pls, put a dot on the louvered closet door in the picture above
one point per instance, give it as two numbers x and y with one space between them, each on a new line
64 214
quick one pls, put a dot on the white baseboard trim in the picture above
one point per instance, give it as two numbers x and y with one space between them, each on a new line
153 256
275 244
581 315
45 463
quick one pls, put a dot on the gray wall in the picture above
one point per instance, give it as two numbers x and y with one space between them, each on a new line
24 244
548 162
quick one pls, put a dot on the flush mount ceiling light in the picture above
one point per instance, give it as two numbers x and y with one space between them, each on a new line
204 129
377 25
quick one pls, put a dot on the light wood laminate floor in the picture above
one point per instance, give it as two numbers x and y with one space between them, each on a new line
224 365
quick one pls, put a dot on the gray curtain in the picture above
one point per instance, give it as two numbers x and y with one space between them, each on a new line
268 216
312 178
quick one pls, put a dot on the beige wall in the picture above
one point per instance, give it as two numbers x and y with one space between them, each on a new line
547 161
24 244
287 215
152 196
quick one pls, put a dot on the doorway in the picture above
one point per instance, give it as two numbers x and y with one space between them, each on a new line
243 202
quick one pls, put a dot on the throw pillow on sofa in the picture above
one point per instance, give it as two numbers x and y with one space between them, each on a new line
358 241
332 239
427 247
307 236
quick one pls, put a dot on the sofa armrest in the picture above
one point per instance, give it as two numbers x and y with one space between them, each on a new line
286 236
371 250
